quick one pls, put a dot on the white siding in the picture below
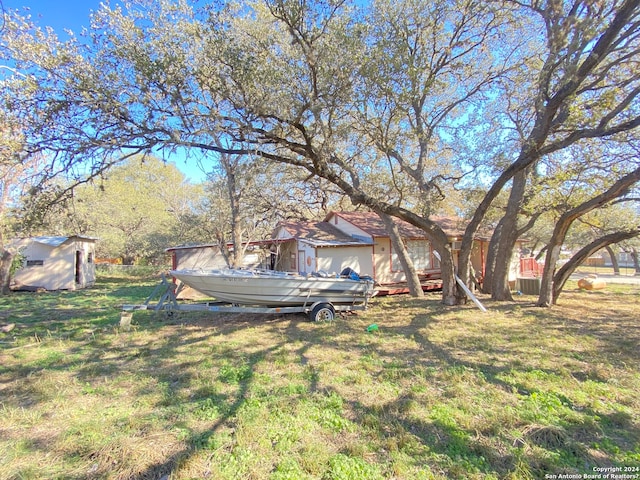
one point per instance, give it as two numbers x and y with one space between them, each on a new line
336 259
514 267
306 258
282 233
420 252
210 258
54 268
207 258
382 258
87 266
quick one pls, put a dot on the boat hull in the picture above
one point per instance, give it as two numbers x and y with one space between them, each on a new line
274 289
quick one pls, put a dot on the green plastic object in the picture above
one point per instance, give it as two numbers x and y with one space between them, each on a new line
372 328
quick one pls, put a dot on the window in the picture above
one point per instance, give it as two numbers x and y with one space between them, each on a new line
35 263
419 253
90 258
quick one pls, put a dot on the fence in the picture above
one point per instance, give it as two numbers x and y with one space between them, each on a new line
530 268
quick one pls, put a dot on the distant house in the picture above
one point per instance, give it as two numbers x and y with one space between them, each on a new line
56 263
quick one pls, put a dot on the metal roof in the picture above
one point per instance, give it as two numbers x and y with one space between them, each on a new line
217 245
53 241
328 243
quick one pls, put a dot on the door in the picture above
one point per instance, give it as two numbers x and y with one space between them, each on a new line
78 267
302 266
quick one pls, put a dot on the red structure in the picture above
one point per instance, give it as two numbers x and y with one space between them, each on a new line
530 268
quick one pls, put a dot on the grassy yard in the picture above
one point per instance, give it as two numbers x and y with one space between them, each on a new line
436 392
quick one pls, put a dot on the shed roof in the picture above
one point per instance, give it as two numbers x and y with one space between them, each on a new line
252 243
192 246
54 241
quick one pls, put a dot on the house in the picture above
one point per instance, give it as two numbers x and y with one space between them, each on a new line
308 246
56 263
359 240
356 240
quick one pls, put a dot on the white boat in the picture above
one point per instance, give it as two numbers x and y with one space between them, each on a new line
269 288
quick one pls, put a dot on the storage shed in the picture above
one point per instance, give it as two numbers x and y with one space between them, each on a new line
209 257
56 263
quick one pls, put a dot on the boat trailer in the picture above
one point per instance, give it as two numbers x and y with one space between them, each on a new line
168 302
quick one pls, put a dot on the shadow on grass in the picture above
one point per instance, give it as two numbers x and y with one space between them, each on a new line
559 433
241 373
197 441
468 355
103 357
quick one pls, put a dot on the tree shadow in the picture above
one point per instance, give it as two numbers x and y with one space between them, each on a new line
197 441
463 449
97 358
616 341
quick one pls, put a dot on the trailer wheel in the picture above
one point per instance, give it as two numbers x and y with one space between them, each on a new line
323 312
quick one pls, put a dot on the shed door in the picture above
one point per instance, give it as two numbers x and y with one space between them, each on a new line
78 267
302 266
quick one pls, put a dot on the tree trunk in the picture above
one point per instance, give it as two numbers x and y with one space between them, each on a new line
434 233
224 248
533 247
6 259
614 260
128 259
450 294
636 263
540 254
545 299
239 247
568 268
546 111
562 227
440 242
413 281
236 257
508 236
490 262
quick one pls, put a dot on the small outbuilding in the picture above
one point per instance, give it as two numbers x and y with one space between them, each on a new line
209 256
55 263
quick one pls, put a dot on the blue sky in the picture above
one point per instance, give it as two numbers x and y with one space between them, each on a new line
73 15
59 14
